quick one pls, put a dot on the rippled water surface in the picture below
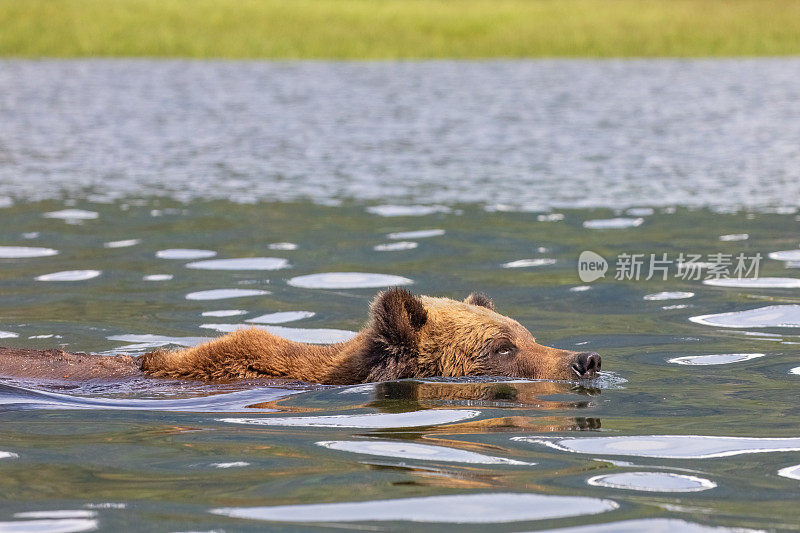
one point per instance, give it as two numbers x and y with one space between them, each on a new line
502 133
130 225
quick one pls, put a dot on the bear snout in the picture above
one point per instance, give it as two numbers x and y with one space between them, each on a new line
586 365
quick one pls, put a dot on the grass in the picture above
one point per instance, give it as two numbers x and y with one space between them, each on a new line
384 29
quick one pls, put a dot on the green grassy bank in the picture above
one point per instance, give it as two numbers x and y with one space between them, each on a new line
379 29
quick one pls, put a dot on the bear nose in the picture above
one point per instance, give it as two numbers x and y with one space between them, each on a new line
586 365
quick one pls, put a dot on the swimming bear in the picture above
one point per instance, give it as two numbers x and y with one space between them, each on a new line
406 336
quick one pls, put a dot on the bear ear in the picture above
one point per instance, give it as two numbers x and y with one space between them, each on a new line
478 298
398 315
392 347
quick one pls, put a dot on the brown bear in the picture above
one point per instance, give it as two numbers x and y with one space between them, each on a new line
406 337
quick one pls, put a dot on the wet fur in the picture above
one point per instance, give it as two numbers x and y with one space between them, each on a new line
406 336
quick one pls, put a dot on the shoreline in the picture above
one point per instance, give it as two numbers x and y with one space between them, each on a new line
399 29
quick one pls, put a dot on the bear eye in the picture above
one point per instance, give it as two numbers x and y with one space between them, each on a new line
505 350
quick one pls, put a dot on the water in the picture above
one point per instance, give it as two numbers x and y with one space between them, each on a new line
286 193
519 135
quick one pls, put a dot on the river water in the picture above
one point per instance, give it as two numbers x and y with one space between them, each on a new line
161 203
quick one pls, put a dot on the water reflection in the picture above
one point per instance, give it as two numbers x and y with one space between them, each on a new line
668 446
407 210
651 525
395 396
771 316
307 335
347 280
184 253
241 263
17 397
730 237
286 246
613 223
69 275
431 417
456 509
158 277
537 424
224 312
423 452
274 318
715 359
126 243
395 246
652 482
221 294
62 525
668 295
754 283
524 263
72 214
24 252
786 255
418 234
60 513
792 472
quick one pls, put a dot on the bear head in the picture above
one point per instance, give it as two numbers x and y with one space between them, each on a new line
410 336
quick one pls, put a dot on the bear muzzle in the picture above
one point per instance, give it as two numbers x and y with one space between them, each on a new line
536 361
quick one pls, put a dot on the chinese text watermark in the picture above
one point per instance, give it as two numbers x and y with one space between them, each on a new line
685 266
